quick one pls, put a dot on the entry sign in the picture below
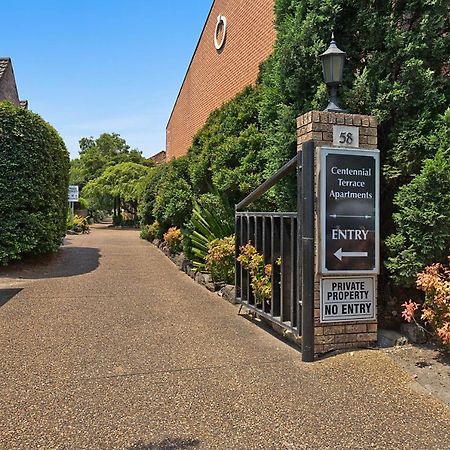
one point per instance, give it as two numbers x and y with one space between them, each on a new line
347 299
73 194
349 211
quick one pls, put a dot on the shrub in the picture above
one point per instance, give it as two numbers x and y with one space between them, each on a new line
220 259
434 281
174 239
96 216
225 153
205 227
422 221
172 205
34 176
151 232
80 224
260 273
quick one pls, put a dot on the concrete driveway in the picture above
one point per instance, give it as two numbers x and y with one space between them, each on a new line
108 346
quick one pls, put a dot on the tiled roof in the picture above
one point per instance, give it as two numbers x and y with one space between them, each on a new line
3 65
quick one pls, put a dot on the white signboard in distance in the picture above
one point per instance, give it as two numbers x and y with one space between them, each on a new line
73 193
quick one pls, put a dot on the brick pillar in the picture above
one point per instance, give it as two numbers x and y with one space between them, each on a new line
318 127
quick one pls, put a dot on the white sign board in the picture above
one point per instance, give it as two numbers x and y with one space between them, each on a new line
73 194
344 299
344 136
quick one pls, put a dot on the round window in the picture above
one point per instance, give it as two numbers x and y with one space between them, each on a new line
220 33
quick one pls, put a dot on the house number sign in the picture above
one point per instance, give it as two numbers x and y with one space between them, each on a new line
345 136
220 41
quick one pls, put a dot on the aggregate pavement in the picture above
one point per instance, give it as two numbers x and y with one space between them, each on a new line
107 345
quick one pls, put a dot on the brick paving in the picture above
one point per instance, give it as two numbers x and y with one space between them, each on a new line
109 346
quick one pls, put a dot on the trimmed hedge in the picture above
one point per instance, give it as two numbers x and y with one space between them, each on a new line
34 176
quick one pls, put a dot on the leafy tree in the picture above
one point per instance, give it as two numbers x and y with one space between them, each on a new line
98 154
122 181
34 175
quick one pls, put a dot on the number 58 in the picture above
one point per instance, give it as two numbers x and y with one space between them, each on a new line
346 138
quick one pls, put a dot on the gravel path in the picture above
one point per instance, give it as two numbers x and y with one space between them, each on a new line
108 346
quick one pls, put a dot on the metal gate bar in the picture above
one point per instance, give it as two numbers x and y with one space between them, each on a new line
285 236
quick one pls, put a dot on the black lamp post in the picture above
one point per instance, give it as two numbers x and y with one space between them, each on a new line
333 68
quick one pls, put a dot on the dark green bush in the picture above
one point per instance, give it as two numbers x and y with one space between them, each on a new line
225 153
34 175
423 217
397 70
173 196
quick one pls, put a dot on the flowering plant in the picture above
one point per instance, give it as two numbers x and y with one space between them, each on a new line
174 239
220 259
260 273
435 282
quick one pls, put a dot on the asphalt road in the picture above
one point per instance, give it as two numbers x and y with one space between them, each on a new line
108 346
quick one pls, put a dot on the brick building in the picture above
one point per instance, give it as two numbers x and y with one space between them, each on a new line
8 87
237 37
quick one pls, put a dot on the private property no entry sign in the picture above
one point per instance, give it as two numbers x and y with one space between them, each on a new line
349 212
347 299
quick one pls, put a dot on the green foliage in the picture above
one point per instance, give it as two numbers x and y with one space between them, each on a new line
77 223
172 195
122 181
423 218
220 261
150 185
225 153
205 227
34 175
396 70
151 232
173 238
96 155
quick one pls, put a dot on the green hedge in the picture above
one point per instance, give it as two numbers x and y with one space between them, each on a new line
34 174
422 217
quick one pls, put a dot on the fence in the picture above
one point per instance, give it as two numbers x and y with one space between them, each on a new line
285 241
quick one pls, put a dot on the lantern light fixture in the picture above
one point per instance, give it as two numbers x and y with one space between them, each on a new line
333 69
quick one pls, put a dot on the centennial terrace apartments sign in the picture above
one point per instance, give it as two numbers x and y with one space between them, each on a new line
349 225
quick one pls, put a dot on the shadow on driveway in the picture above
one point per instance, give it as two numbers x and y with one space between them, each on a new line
66 262
7 294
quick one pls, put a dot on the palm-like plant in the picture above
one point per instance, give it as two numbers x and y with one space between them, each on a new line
206 227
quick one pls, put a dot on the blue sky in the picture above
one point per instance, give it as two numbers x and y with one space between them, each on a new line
96 66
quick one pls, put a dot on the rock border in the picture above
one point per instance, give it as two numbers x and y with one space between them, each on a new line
226 291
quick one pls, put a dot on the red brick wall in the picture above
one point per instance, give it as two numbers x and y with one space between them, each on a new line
215 77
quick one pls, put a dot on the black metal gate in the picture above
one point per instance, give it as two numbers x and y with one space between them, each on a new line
285 240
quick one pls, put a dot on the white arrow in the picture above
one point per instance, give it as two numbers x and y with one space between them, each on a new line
340 254
335 216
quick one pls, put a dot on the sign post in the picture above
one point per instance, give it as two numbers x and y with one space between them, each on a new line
349 222
73 196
